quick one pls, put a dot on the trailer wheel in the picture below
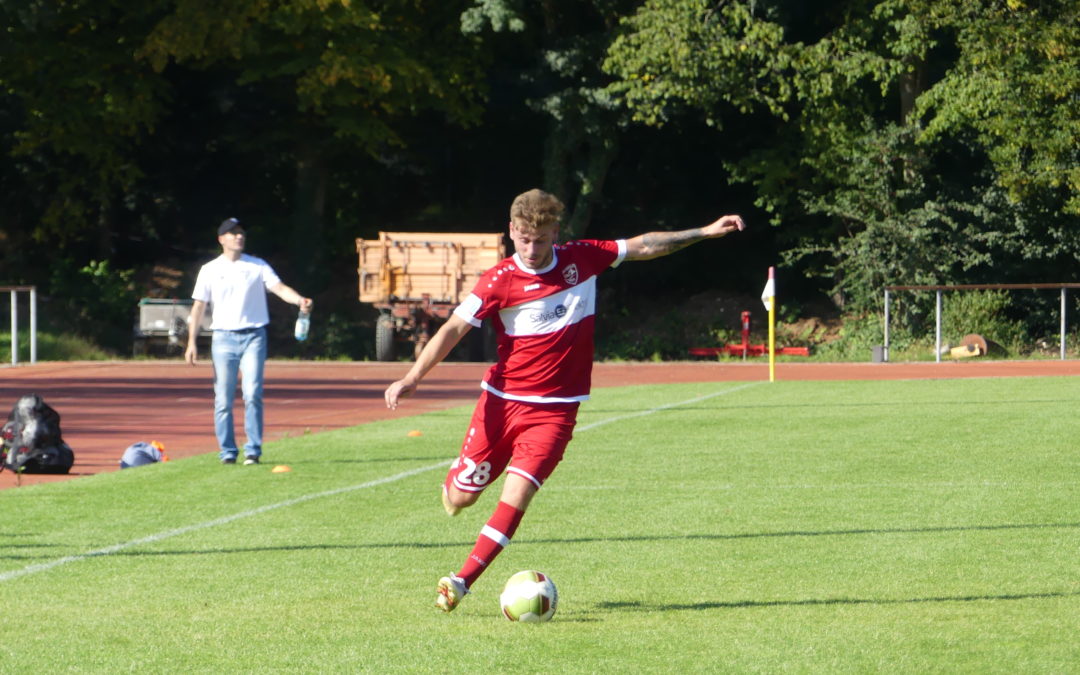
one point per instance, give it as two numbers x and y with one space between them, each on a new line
384 338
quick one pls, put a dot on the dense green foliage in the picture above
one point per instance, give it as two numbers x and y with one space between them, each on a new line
868 143
920 141
744 527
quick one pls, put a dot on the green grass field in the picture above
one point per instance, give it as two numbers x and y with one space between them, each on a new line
913 526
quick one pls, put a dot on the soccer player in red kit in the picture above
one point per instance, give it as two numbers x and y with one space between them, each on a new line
542 303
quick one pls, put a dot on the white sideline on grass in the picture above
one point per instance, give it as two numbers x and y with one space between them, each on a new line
150 539
642 413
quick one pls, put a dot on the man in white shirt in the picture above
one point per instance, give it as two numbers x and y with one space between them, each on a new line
236 284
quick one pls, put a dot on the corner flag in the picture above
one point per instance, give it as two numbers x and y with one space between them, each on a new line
768 296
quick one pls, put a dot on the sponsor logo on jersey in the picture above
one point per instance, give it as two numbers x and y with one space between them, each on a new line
542 317
531 287
570 274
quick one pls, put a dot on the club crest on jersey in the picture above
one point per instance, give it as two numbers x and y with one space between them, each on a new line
570 274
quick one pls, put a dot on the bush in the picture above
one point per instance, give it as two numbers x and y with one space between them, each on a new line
985 313
51 347
94 302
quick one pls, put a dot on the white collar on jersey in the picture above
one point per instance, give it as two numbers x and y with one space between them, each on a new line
550 266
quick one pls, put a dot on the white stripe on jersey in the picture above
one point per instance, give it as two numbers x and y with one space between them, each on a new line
524 474
468 308
532 399
551 313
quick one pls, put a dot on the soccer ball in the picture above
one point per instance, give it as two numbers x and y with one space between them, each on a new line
529 596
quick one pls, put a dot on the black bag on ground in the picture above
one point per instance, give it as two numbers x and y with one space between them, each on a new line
32 442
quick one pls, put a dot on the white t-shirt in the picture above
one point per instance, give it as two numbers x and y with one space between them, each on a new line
236 291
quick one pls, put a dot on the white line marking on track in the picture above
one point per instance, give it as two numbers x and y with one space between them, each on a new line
150 539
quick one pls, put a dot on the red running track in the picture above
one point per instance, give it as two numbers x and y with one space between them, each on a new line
105 406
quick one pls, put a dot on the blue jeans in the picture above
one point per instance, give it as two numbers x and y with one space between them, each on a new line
242 352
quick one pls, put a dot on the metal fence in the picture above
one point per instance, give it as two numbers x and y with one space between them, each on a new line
1063 288
14 291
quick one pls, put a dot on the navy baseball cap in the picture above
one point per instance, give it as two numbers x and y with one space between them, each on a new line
227 225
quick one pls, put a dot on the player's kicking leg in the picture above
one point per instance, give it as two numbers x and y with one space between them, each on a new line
454 500
493 538
447 505
451 590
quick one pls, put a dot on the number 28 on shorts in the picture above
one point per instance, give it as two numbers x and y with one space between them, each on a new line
470 476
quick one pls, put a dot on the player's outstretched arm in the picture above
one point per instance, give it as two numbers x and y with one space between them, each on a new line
445 339
655 244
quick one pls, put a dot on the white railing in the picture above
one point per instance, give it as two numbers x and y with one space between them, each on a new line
32 291
1063 288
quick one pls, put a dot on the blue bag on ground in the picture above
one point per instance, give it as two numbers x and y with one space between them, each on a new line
142 453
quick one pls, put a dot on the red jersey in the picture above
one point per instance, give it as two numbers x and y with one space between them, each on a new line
544 320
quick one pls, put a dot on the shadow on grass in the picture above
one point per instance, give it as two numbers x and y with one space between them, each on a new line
12 555
586 540
809 533
637 606
298 548
824 602
7 552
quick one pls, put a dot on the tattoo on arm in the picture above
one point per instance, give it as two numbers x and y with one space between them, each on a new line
662 243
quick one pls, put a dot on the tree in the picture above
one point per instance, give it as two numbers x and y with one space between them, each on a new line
910 117
1014 85
563 42
79 105
301 81
339 73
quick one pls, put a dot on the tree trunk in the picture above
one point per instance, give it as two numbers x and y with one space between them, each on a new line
309 211
912 85
576 169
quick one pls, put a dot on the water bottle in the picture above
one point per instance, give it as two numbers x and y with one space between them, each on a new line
303 324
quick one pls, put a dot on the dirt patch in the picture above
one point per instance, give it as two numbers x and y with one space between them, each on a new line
809 332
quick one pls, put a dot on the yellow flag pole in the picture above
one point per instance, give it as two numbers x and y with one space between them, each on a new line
772 325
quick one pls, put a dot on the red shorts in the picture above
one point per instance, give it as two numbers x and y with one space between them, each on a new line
529 438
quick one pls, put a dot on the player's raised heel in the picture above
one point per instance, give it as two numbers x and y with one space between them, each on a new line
451 591
450 508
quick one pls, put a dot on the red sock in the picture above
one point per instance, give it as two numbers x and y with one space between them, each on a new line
493 538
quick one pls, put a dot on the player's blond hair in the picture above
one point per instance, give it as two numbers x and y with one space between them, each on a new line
535 209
